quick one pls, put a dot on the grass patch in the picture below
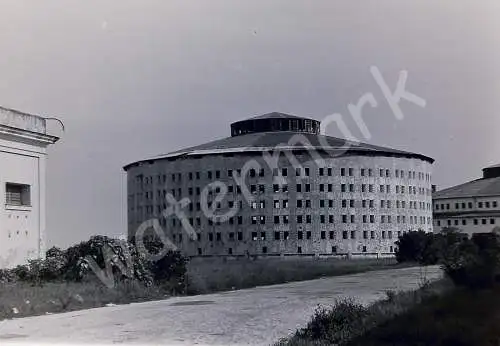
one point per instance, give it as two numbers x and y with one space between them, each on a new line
348 320
462 317
22 299
214 274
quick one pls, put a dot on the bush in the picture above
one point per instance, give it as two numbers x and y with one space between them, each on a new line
7 276
38 271
474 263
427 248
347 320
418 247
123 259
336 325
170 271
471 262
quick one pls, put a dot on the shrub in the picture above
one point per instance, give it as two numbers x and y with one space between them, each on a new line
474 263
347 321
336 325
427 248
170 271
7 276
123 258
417 247
126 262
21 272
39 271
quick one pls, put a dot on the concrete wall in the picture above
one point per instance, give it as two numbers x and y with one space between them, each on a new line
146 202
22 121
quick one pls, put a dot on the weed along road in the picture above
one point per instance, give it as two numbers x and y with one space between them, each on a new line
253 316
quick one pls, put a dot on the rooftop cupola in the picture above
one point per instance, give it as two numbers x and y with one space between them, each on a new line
275 122
491 172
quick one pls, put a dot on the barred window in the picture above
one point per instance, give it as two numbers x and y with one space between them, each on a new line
17 194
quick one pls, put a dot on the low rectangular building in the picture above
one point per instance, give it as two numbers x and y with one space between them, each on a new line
472 207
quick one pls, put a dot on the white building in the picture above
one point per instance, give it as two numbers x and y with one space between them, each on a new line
473 207
23 155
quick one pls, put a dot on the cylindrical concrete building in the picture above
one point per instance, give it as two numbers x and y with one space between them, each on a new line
300 193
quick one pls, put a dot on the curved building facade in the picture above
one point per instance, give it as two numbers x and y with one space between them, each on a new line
278 187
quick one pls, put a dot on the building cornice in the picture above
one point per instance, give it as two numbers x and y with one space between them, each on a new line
37 137
469 213
437 198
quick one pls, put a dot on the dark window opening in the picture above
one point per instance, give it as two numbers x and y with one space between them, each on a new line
17 194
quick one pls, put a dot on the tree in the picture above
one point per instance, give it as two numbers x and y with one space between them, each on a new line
416 247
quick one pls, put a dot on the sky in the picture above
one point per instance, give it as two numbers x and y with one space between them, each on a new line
133 79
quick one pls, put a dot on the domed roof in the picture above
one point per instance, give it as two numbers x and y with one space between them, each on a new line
258 138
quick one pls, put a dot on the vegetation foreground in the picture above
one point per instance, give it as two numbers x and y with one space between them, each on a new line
65 281
461 309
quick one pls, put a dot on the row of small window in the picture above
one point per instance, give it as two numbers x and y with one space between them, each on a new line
283 188
300 203
386 173
308 219
329 171
299 250
469 205
463 222
414 220
364 188
277 235
304 203
346 203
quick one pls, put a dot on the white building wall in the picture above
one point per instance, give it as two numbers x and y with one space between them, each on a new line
479 214
23 153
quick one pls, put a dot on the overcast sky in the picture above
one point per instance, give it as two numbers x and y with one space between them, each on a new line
132 79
